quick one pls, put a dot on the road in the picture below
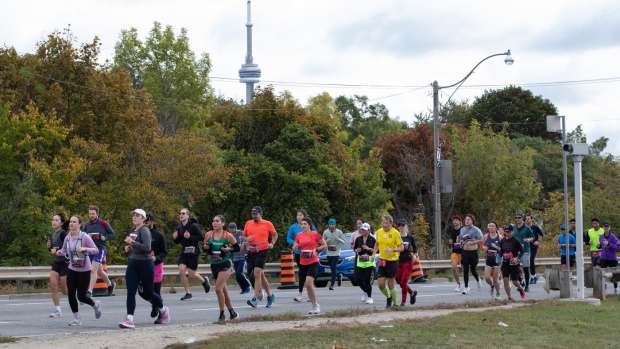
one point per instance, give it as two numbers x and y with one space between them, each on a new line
29 315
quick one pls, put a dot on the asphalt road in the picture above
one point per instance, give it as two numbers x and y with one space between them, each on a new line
29 315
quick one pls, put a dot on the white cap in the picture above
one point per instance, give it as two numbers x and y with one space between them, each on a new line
140 212
365 226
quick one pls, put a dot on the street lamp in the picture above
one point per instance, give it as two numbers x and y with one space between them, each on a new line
509 61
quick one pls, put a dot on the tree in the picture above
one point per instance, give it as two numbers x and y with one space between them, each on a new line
370 120
166 67
525 113
492 178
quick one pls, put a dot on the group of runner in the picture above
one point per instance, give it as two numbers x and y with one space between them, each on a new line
508 250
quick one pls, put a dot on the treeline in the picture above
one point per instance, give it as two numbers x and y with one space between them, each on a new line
147 131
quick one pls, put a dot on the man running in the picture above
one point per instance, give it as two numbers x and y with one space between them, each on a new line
256 233
592 238
511 250
100 231
389 245
524 234
455 257
189 235
538 237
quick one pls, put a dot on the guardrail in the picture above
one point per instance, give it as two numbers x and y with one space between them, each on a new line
22 274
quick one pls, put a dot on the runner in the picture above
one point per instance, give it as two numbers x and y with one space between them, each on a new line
310 243
58 275
470 237
77 246
140 270
492 259
354 236
389 245
218 244
256 233
100 232
188 234
524 234
334 239
572 243
538 237
159 251
455 244
290 238
365 262
405 263
512 251
591 238
239 259
609 245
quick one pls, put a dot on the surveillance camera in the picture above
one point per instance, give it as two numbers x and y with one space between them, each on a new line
576 148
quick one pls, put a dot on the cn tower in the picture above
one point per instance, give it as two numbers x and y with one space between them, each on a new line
249 72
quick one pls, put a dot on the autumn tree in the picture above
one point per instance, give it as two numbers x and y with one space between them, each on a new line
165 66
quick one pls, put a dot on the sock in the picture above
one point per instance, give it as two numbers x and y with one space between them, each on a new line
76 315
394 295
386 292
58 308
221 313
91 291
231 311
110 283
130 317
161 310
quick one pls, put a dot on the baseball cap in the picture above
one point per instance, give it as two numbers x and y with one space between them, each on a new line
519 214
256 210
401 221
232 225
457 217
365 226
607 224
331 221
563 227
140 212
509 227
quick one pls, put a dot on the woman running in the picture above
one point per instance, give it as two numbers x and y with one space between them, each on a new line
140 270
492 265
58 275
364 264
77 246
295 229
310 243
405 263
218 244
512 251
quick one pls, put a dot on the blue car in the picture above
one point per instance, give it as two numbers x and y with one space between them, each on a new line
345 266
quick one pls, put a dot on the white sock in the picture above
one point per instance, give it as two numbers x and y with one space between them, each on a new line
58 308
110 283
130 317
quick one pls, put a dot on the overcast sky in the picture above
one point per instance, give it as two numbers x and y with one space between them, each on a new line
396 49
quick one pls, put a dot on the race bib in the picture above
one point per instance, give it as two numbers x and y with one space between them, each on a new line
507 256
133 236
382 262
364 258
95 236
596 254
491 253
332 248
77 262
253 248
457 245
406 245
306 254
189 250
216 255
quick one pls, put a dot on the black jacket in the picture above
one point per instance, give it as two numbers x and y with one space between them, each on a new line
195 235
158 245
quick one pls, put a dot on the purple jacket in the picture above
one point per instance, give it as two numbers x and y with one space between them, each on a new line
609 252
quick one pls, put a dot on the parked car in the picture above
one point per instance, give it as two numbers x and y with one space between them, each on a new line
346 263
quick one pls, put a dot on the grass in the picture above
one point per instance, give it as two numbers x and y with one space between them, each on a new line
542 324
7 339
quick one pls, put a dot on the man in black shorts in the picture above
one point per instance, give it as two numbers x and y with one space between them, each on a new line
511 251
188 234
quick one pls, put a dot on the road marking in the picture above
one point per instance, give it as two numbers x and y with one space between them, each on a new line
28 303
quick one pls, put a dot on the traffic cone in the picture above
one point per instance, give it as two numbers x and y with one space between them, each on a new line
287 270
101 288
417 275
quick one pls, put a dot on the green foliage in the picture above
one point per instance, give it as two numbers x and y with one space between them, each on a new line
492 178
166 67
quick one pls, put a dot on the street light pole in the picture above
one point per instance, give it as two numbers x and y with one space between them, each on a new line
436 148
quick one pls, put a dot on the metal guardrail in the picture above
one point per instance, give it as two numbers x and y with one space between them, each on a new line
118 271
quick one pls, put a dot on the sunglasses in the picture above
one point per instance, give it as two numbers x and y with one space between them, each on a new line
401 225
182 213
518 217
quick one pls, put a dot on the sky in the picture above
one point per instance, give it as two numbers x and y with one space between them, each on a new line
390 51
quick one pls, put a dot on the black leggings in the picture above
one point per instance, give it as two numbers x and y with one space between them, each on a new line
533 252
140 272
78 281
469 260
363 277
156 289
